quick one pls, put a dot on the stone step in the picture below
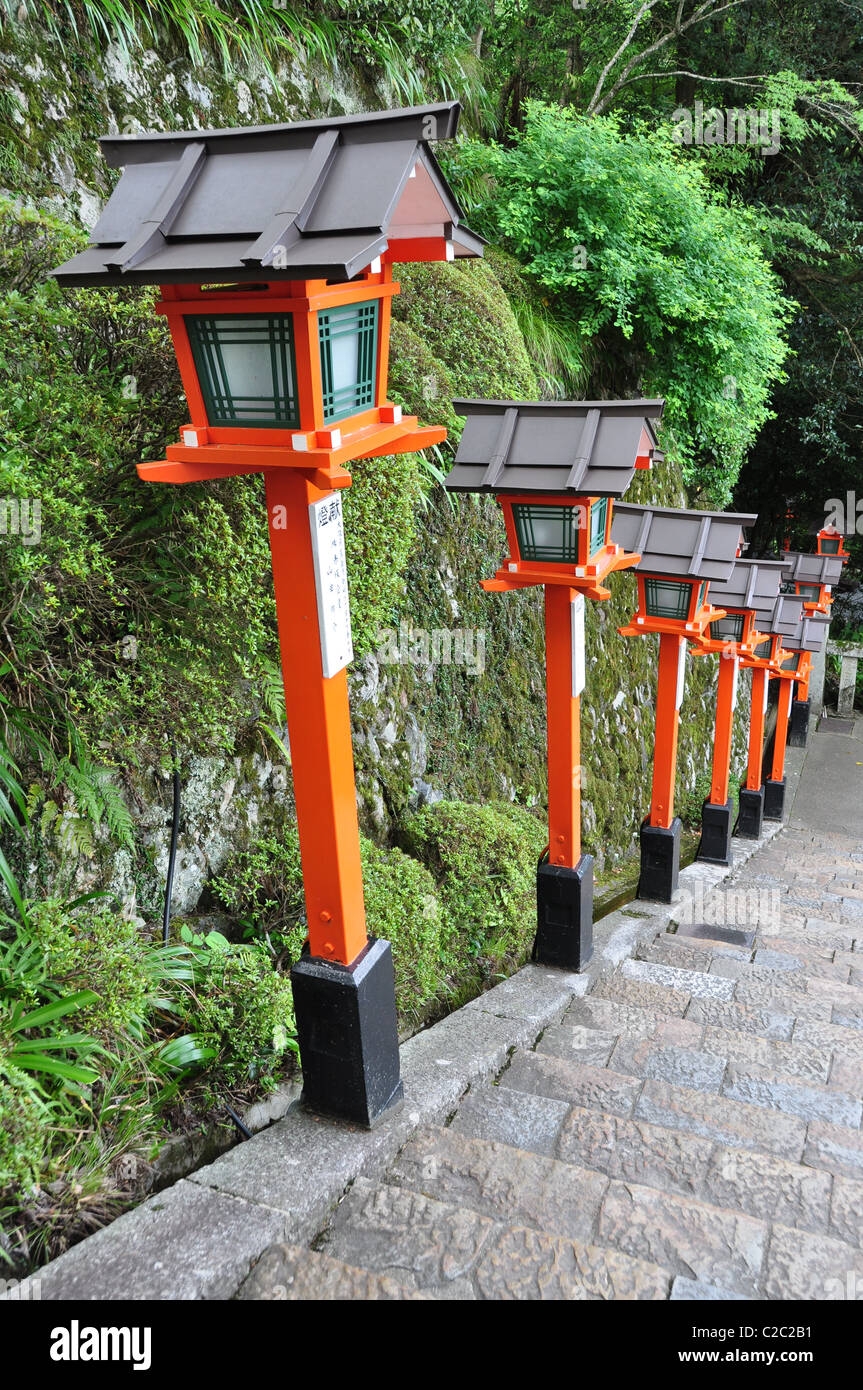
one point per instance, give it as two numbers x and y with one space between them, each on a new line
689 953
565 1195
612 1046
292 1274
717 1117
762 1185
658 1000
450 1252
680 1233
837 1037
812 931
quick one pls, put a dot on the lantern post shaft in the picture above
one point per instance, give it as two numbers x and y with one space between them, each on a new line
564 882
751 814
756 730
319 729
564 731
723 729
781 735
344 987
667 723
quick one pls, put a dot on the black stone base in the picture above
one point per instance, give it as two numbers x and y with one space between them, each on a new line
751 813
564 914
774 799
660 861
716 823
346 1027
798 728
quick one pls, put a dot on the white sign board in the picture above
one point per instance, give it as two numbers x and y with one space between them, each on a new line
331 583
681 673
734 685
577 609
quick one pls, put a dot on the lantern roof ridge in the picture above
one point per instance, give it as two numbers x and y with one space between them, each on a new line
586 448
318 199
811 569
680 543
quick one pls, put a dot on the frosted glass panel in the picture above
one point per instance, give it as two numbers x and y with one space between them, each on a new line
245 368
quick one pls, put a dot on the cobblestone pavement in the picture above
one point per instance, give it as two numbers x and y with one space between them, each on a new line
691 1129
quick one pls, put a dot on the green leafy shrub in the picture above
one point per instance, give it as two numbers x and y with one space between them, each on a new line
93 947
403 907
24 1130
241 1010
484 859
263 887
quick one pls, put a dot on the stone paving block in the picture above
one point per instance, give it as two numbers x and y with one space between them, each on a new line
524 1265
813 965
683 1066
803 949
758 1085
846 1020
540 1074
697 985
846 1074
684 1235
765 1023
188 1242
810 1267
697 1291
807 1063
774 1189
615 1017
501 1182
592 1046
441 1062
833 1037
811 931
427 1245
643 995
291 1273
835 1149
530 1122
634 1151
719 1118
423 1244
846 1211
536 994
821 928
786 1001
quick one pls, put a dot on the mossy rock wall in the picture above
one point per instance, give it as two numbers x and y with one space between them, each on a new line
447 691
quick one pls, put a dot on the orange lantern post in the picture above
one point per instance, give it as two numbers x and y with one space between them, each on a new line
274 248
765 660
810 578
555 468
734 638
681 554
807 634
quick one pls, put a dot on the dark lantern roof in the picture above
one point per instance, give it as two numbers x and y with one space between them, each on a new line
309 200
582 447
679 543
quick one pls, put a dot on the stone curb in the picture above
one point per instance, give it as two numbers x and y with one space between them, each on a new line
199 1238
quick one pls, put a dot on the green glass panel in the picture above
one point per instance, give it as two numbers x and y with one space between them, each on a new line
598 515
727 629
349 338
246 368
810 592
830 547
667 598
762 651
547 533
